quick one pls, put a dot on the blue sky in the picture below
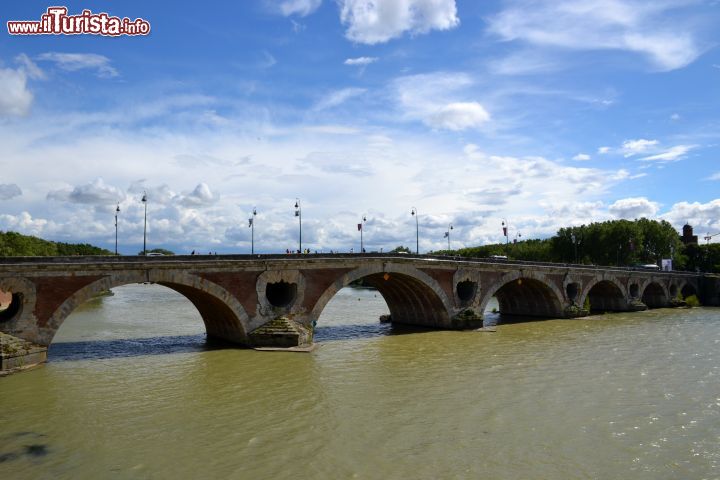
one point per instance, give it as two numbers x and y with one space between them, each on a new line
543 113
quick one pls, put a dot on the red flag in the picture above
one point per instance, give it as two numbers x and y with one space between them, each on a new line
359 226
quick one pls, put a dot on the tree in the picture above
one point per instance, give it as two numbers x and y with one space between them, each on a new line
400 249
13 244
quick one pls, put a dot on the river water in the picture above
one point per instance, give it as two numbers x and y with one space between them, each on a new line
133 391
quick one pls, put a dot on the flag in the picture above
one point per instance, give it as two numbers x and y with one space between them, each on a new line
359 226
250 222
504 231
447 234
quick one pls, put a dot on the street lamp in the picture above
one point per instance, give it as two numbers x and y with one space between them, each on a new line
144 200
251 224
414 213
447 235
298 213
361 227
505 232
576 241
117 210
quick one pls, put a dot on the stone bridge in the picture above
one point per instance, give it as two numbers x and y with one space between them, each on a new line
275 300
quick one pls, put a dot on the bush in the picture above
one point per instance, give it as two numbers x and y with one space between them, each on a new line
692 301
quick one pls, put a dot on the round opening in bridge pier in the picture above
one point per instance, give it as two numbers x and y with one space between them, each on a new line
11 310
572 290
634 290
466 291
688 290
281 294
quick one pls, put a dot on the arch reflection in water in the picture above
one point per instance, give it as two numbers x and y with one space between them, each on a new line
354 313
135 320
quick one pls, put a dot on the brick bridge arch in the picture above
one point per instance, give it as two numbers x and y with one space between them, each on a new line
608 295
223 316
412 296
525 293
654 293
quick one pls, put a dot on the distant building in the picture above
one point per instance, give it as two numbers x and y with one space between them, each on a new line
687 237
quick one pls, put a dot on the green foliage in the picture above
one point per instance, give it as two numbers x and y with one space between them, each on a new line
13 244
692 301
704 258
586 304
400 249
616 242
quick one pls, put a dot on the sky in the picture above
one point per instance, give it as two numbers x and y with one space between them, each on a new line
542 114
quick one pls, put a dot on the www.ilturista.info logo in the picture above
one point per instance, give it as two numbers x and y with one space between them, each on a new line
57 22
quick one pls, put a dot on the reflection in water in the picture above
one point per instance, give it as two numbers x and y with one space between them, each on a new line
612 396
71 351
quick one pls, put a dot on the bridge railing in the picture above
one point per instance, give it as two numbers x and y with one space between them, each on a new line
140 259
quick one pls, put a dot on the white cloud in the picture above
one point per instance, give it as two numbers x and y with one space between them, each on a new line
15 97
361 61
705 215
33 71
526 62
201 196
604 150
25 223
714 176
437 99
298 7
636 147
603 25
459 116
72 62
267 61
670 155
635 207
9 190
377 21
581 157
95 193
338 97
332 129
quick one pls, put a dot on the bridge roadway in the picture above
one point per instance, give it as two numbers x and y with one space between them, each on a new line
275 300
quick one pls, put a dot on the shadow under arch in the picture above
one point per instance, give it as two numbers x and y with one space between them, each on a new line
412 296
526 294
688 289
223 316
655 295
606 295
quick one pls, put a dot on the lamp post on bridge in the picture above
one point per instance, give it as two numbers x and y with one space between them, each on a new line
144 200
447 235
117 211
361 227
298 213
251 224
414 213
576 241
505 234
